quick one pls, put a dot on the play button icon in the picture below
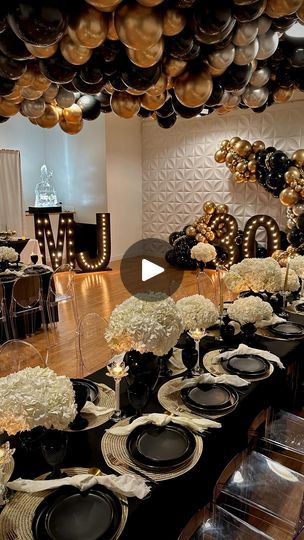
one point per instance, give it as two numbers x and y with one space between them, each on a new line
149 270
144 268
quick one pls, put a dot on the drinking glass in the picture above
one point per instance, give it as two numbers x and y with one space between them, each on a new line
138 394
34 258
53 447
189 358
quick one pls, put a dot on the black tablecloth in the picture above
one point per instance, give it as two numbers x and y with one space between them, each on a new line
17 245
173 502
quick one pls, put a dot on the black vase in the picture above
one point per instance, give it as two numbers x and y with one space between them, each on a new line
143 367
248 332
165 372
81 396
4 266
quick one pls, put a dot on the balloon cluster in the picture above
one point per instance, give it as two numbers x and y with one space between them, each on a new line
239 156
151 58
200 229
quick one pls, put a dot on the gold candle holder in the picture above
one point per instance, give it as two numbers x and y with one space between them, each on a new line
117 370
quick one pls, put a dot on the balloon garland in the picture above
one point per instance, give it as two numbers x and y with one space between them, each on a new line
65 62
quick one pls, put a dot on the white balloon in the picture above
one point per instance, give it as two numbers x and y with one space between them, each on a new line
255 97
268 44
222 58
245 33
260 77
264 23
245 55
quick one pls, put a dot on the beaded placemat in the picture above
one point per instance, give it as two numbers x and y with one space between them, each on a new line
18 514
217 369
264 332
292 308
116 446
170 398
106 398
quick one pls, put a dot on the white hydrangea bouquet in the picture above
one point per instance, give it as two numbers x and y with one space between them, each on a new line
147 323
251 309
255 275
35 397
297 264
8 254
203 252
197 312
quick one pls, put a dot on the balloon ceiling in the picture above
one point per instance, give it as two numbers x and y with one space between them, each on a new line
65 62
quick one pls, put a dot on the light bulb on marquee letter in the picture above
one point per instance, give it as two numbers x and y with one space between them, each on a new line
273 235
227 241
101 261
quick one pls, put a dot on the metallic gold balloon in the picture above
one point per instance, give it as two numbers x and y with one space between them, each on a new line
51 93
277 254
298 209
289 197
268 44
134 92
200 237
209 207
300 13
40 82
245 55
174 66
174 21
239 178
33 121
215 72
71 128
65 98
298 157
293 174
148 57
112 34
150 3
252 166
50 117
31 93
16 93
230 157
137 26
125 105
152 103
260 77
89 28
224 144
210 236
255 97
264 23
241 167
245 33
220 156
193 89
109 88
252 178
233 141
201 228
73 52
222 209
42 52
73 114
282 8
33 108
28 77
281 95
222 58
159 87
7 108
191 231
243 148
104 5
257 146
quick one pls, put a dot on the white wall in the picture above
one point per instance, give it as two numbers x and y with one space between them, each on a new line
124 181
180 173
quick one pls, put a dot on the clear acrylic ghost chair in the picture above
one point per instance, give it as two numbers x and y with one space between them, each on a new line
16 354
219 524
93 350
26 304
61 290
207 285
3 314
262 488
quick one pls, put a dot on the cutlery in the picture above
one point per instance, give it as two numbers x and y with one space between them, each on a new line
115 461
94 471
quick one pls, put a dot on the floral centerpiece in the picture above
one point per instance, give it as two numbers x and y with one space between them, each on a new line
203 253
254 275
7 255
297 265
247 312
197 311
293 283
35 397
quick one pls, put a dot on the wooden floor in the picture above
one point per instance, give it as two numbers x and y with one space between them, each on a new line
96 292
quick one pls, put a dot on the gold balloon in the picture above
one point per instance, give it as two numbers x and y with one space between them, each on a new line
109 88
16 93
28 77
73 52
71 128
281 95
293 174
42 52
224 144
89 28
289 197
193 89
33 121
125 105
174 21
73 114
220 156
148 57
8 108
252 166
252 178
174 66
210 236
233 141
200 237
150 3
159 87
104 5
300 13
50 117
298 157
134 92
230 157
191 231
28 92
40 82
239 178
241 167
222 209
152 103
282 8
257 146
201 228
277 254
112 34
209 207
215 72
243 148
138 27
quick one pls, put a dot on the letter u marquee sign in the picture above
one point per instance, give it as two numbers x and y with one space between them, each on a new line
65 250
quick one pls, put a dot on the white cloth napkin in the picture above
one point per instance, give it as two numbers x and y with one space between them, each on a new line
96 410
126 484
194 424
176 359
243 349
268 322
207 378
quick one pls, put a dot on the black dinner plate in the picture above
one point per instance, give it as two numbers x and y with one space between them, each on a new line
300 307
287 329
160 448
209 397
68 513
92 388
7 277
247 365
36 269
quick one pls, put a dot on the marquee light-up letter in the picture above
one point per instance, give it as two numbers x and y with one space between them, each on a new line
101 261
272 230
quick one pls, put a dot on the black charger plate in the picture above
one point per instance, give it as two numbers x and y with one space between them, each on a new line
247 365
68 513
287 329
92 388
209 397
30 270
300 307
160 448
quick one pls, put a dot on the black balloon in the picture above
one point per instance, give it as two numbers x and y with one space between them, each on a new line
6 86
117 82
144 113
166 109
13 47
295 237
90 107
185 112
217 94
110 50
39 23
192 54
90 89
300 222
260 109
3 119
104 98
249 12
93 71
140 78
278 160
174 236
179 45
236 77
11 69
57 69
213 17
297 58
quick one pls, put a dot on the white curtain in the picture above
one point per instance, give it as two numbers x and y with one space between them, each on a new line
11 198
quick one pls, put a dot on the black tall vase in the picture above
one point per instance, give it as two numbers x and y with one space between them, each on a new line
143 367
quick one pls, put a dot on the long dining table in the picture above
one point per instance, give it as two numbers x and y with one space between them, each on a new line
172 502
